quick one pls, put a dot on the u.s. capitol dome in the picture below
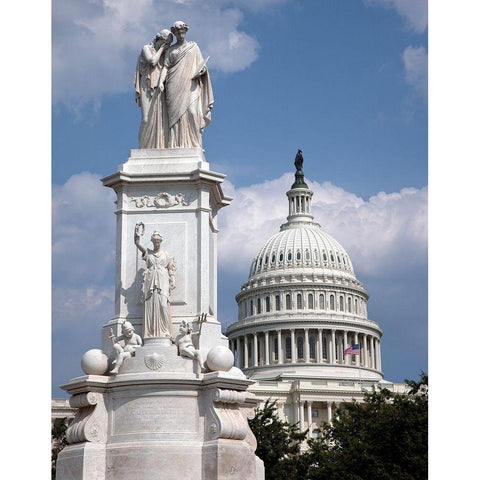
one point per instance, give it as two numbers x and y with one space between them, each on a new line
299 311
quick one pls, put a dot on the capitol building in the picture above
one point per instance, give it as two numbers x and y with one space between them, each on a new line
298 311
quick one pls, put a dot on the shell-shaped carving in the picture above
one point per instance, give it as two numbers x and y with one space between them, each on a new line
154 361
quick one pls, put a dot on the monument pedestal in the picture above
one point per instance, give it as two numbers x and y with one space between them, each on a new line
163 417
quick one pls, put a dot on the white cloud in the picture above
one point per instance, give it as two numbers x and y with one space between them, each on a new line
415 61
385 233
95 43
415 12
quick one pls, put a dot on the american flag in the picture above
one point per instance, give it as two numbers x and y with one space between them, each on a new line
353 349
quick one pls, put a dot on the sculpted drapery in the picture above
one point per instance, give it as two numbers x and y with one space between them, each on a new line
174 90
189 100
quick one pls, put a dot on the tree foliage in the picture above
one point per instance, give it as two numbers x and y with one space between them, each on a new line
59 441
278 444
385 437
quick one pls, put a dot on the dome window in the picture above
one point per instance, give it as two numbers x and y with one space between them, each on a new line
288 348
322 302
267 304
251 307
288 302
332 302
299 255
311 341
307 255
341 304
259 306
300 347
338 258
315 255
273 258
310 301
260 264
277 302
324 257
289 256
299 301
349 305
266 260
331 258
281 257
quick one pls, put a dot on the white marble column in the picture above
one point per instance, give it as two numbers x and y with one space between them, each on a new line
279 350
365 351
267 349
309 417
301 405
372 353
345 345
237 349
334 346
294 346
320 346
329 412
379 356
245 352
255 350
306 349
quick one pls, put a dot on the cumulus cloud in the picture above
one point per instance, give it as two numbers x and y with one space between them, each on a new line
415 61
387 232
414 12
95 43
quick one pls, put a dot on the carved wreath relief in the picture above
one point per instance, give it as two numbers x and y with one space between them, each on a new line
161 200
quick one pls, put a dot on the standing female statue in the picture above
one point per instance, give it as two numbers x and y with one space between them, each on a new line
154 126
158 282
189 95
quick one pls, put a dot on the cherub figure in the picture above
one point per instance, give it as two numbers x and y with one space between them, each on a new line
185 345
124 346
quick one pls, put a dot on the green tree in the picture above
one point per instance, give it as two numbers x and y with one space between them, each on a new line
59 441
383 438
278 444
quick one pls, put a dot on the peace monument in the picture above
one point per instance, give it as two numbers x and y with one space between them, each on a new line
161 399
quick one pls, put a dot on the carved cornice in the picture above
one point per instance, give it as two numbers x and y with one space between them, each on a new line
161 200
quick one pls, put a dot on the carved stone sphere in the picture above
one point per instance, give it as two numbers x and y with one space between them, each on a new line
94 362
220 358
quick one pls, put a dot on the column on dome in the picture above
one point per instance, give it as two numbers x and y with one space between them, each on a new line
346 358
379 356
267 349
320 346
306 347
365 351
372 355
237 350
245 351
279 345
334 347
356 357
294 345
255 350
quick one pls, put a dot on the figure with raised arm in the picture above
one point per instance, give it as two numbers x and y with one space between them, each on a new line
185 345
188 89
124 346
149 97
158 282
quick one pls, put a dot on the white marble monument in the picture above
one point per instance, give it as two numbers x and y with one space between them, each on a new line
162 399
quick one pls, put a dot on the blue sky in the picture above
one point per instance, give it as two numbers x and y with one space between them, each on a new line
343 81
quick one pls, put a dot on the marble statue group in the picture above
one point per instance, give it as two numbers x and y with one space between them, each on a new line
173 90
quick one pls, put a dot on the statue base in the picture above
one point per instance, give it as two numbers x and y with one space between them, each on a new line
160 420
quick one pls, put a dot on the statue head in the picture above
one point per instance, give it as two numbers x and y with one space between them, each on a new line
164 36
179 29
127 329
156 239
184 327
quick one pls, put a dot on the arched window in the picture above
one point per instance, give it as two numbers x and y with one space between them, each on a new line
332 302
277 302
266 260
324 257
341 304
312 342
331 257
281 257
273 258
267 304
251 307
356 306
288 348
349 304
259 306
288 302
299 301
322 302
300 347
310 301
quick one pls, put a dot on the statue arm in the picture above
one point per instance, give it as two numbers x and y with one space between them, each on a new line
163 77
136 239
152 59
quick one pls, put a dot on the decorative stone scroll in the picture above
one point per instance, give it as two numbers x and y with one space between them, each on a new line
89 425
225 418
161 200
